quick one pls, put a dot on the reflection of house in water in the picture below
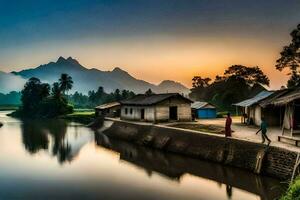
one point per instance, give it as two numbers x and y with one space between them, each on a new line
54 136
175 166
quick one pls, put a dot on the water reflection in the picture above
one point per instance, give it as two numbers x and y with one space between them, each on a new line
174 167
50 135
142 173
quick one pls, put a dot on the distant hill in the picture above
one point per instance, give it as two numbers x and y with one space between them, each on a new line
10 82
90 79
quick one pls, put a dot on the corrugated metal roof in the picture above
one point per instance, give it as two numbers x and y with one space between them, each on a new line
107 105
201 104
143 99
249 102
273 97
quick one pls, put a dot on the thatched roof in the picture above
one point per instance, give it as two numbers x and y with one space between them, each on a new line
151 99
288 97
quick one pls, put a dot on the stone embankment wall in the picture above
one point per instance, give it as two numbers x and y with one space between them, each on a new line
275 162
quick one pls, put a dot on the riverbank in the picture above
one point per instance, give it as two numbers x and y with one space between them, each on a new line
84 117
293 192
271 161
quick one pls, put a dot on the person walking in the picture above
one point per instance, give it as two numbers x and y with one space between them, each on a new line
228 126
263 129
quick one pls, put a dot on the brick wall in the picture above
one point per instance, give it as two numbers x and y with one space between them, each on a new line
276 162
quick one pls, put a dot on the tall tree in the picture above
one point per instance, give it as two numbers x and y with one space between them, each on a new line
290 58
65 83
199 82
252 75
33 93
56 91
149 92
236 84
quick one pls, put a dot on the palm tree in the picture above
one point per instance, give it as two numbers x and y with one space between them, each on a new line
65 83
56 91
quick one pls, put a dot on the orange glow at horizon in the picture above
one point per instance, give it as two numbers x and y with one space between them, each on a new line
157 59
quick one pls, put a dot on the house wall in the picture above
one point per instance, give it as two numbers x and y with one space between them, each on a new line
109 112
254 112
184 111
273 115
288 116
136 113
158 112
206 113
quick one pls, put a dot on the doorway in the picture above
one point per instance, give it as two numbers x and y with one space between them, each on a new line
173 113
142 114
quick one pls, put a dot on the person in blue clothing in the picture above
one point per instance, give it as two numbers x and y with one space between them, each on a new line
263 129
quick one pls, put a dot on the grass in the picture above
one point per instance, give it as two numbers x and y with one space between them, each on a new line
293 192
84 117
8 107
200 127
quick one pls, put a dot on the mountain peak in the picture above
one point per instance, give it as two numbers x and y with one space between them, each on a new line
69 60
61 60
118 69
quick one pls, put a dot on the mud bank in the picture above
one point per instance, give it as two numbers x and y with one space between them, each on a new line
270 161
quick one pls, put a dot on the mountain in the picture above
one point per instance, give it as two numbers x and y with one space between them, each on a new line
90 79
169 86
10 82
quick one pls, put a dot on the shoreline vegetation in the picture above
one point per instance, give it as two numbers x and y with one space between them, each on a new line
293 191
8 107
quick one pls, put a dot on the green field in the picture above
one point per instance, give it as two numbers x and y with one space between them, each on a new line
8 107
84 116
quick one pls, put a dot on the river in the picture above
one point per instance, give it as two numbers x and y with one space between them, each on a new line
54 159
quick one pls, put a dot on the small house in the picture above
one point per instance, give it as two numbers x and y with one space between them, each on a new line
204 110
109 109
290 103
262 105
157 108
251 108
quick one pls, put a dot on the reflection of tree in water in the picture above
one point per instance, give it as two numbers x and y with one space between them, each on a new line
35 138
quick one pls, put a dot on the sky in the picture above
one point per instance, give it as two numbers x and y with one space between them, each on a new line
153 40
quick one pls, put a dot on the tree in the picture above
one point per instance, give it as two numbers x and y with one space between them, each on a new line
56 91
33 93
37 102
149 92
290 58
236 84
117 95
294 80
252 75
199 82
65 83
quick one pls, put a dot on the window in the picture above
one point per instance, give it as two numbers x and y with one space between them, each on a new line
131 111
126 111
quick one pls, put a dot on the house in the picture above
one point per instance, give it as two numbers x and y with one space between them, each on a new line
109 109
262 105
290 103
204 110
252 109
157 107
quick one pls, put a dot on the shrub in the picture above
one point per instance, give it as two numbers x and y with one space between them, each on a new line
293 192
